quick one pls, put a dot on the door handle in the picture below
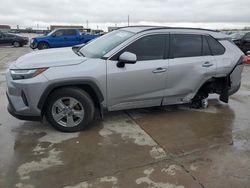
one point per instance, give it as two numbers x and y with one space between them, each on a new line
207 64
159 70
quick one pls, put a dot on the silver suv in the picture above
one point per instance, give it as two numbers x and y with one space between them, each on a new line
132 67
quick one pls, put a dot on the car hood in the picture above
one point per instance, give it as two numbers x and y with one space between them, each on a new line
49 58
40 37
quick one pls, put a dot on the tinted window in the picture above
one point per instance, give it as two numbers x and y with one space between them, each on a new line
59 33
69 32
247 36
205 47
186 45
148 48
215 46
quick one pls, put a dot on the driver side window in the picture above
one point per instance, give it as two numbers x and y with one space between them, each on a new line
59 33
150 47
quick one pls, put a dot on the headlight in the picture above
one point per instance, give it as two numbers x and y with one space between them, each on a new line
18 74
31 41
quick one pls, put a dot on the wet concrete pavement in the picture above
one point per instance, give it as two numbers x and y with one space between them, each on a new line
171 147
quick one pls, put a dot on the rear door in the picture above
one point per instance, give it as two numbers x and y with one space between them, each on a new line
141 84
190 65
9 39
71 37
5 39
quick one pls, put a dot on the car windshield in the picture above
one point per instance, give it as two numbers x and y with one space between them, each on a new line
104 44
237 35
50 33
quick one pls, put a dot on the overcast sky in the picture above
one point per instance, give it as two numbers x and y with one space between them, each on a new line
193 13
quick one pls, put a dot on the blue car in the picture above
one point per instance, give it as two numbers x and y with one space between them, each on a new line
61 38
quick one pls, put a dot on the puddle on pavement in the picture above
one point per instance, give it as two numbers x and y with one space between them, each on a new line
40 151
184 130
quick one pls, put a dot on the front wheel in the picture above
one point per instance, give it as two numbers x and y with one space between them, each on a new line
70 109
43 45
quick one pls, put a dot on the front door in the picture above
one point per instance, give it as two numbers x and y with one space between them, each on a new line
141 84
57 39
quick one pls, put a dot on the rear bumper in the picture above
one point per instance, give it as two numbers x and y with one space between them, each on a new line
234 89
17 115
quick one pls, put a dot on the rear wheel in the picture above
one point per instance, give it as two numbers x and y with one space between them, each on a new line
16 44
43 45
70 109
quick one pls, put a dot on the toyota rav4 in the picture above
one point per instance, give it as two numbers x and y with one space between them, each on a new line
132 67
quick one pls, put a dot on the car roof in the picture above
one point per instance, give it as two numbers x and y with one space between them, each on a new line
141 29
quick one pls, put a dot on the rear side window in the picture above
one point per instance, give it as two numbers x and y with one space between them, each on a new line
205 47
148 48
70 32
215 46
186 45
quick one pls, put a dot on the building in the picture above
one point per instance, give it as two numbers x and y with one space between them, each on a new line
52 27
5 28
96 31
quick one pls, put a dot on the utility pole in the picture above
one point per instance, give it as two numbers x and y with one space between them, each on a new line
87 24
128 20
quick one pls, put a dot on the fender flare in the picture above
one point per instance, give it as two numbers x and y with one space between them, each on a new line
53 86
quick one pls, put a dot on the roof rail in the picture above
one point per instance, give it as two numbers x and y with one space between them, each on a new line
180 28
166 27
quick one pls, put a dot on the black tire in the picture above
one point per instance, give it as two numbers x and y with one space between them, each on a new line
79 95
42 45
16 44
197 101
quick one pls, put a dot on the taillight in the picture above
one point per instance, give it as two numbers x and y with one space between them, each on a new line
245 59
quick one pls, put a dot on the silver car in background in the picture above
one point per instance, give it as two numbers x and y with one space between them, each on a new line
132 67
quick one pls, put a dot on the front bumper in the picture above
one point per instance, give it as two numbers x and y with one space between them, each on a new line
17 115
33 44
24 95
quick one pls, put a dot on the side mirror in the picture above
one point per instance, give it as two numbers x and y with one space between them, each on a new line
53 35
126 58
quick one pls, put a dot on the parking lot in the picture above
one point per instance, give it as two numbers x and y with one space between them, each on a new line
170 147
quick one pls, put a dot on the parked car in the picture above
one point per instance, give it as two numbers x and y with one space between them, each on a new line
242 40
9 39
132 67
61 38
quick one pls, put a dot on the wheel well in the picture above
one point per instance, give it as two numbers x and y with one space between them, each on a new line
84 87
42 42
219 86
215 85
15 41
